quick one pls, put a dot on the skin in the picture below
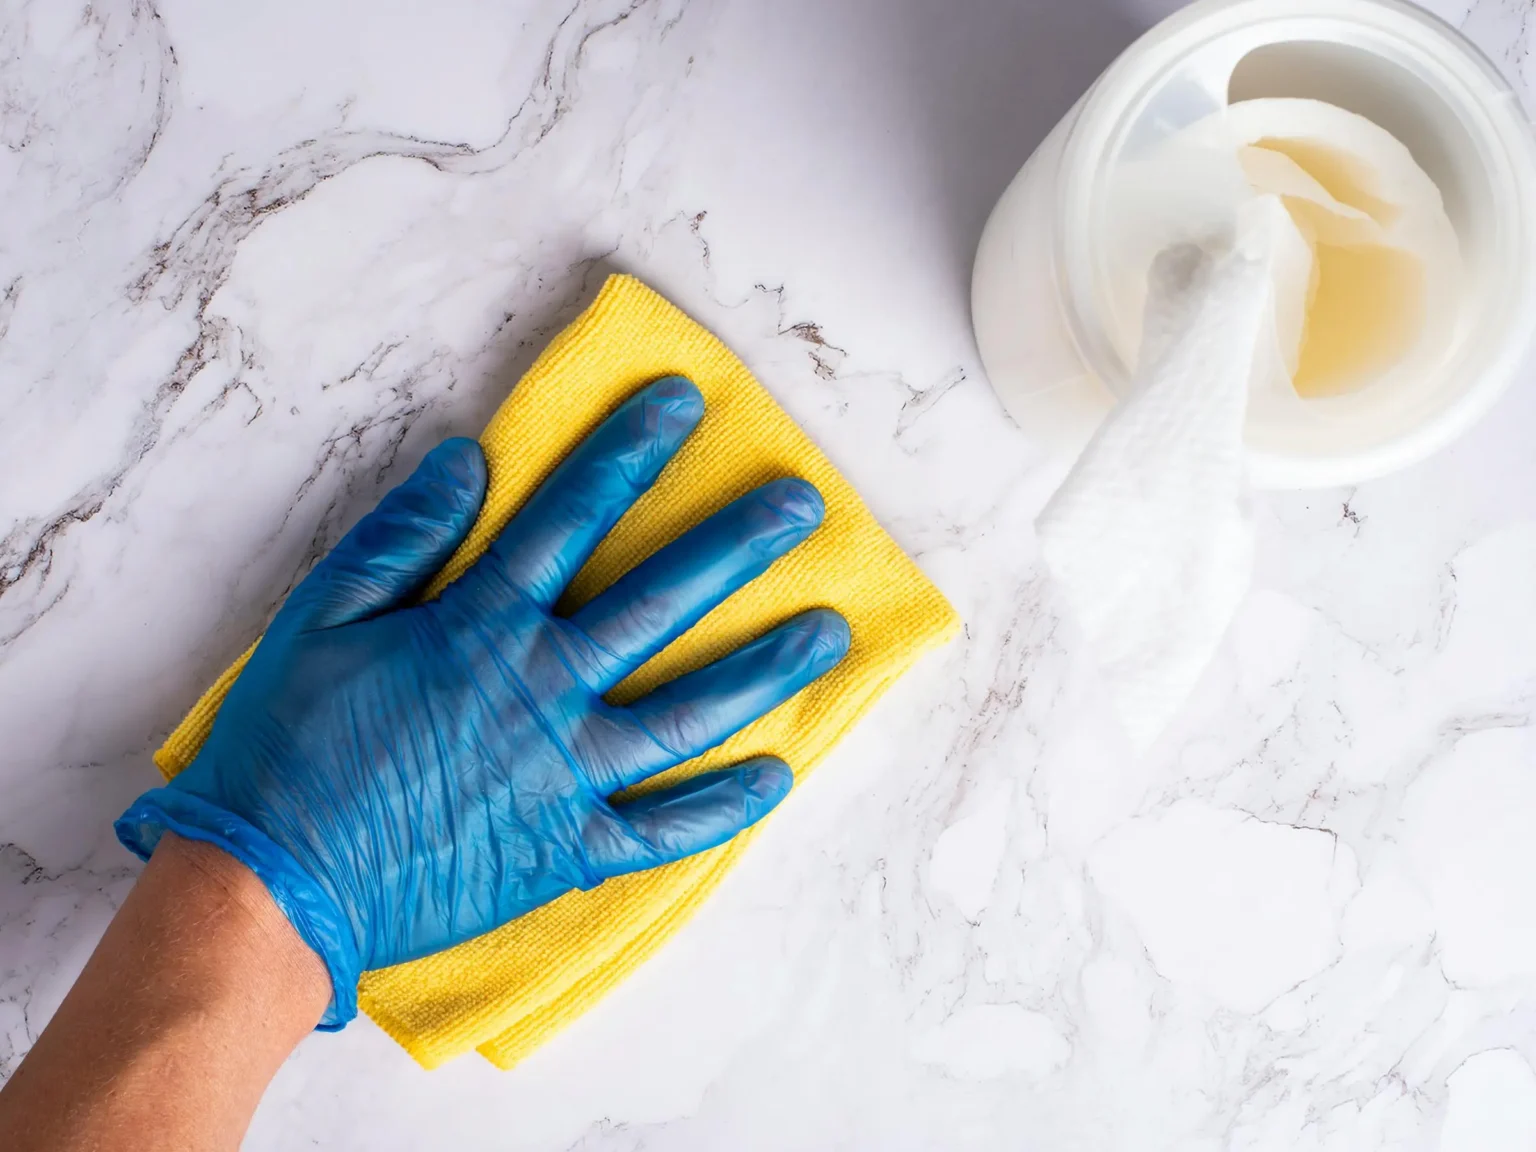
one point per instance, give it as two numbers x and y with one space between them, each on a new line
201 986
196 994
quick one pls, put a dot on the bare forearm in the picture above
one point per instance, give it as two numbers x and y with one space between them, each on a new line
197 992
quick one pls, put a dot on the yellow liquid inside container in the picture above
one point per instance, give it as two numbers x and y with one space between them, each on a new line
1365 301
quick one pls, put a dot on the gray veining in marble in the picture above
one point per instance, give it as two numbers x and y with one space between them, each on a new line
256 259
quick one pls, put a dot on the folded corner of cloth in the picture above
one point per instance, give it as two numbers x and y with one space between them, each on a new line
508 991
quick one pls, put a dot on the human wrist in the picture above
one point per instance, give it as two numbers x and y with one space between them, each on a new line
250 924
194 997
310 910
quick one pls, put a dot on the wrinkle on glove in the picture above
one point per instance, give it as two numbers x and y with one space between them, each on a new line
405 775
509 990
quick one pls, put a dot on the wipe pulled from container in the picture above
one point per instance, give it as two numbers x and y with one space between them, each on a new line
1272 259
1149 536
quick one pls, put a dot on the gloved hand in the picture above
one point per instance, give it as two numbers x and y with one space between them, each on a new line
406 776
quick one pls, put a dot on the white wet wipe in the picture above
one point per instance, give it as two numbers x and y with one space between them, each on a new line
1276 256
1148 536
1365 289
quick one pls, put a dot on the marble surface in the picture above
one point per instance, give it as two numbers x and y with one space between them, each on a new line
257 258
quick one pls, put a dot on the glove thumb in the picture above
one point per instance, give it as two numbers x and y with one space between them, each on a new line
395 550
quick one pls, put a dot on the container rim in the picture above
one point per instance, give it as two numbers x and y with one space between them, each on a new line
1398 31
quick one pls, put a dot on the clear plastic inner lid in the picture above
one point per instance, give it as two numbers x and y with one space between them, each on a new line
1388 268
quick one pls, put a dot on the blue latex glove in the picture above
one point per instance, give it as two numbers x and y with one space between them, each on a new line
406 776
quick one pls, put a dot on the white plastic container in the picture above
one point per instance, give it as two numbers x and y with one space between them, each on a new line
1040 294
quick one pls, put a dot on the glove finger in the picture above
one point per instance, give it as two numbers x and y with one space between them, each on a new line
674 589
395 550
552 535
695 816
695 712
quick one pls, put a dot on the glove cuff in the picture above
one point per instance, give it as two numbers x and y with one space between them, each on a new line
312 913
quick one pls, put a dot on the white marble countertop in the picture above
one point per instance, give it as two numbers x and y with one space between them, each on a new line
255 259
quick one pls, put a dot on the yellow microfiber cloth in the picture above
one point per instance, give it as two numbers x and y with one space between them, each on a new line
508 991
